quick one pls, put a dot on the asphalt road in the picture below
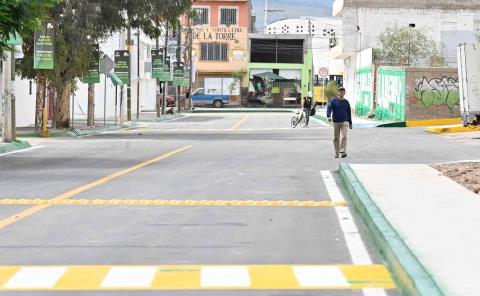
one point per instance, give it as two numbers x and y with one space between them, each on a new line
211 169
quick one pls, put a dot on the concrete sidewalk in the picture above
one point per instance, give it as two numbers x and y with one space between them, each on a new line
424 223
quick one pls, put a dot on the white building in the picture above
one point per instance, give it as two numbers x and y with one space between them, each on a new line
446 21
325 32
25 90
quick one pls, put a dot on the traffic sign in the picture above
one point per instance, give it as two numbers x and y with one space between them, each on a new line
323 72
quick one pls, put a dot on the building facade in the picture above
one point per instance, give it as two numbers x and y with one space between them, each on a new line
288 56
446 21
220 42
325 32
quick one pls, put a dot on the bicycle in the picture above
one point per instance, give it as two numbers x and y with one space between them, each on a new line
299 118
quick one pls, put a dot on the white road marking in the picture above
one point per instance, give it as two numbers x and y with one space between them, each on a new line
129 277
35 277
355 245
320 276
225 276
21 150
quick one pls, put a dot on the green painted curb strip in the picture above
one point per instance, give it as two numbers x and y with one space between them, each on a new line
322 118
412 277
10 147
243 111
82 132
394 124
161 119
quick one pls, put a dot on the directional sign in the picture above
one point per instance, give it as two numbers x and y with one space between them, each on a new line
122 65
178 69
323 72
93 75
43 47
157 64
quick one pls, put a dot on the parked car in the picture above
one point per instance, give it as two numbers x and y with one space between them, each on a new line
199 97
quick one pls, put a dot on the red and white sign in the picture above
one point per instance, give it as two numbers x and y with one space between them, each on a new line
323 72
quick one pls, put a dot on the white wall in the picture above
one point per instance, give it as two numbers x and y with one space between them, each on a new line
448 26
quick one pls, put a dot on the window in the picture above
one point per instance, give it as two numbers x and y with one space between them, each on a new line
228 16
214 52
202 16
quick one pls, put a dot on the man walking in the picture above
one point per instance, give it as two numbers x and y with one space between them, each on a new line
342 120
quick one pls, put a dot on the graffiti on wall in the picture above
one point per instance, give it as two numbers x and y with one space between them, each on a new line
364 91
438 92
391 94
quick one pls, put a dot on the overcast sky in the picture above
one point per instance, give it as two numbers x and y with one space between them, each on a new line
293 8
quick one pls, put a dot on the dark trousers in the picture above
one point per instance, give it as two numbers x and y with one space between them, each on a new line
307 115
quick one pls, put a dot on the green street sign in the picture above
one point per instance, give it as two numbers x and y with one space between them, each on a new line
93 75
167 75
43 47
122 65
178 74
186 76
15 39
157 64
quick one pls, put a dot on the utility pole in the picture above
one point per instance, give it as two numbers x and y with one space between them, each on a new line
190 56
165 83
129 85
157 83
179 58
138 74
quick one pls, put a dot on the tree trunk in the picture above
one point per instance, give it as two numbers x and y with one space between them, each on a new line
40 97
62 114
91 105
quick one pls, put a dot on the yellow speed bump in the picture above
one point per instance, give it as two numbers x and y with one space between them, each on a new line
151 202
195 277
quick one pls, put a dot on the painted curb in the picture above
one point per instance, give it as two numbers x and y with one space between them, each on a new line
10 147
81 132
451 129
411 276
394 124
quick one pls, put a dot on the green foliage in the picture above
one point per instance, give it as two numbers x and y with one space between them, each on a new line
406 46
21 17
331 90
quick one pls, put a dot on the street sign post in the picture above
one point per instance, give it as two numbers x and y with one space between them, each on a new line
157 64
178 69
93 74
43 47
122 65
323 73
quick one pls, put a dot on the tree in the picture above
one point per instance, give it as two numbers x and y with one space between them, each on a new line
406 46
331 90
81 23
21 17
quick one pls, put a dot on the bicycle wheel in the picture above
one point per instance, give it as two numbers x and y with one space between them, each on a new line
294 122
304 121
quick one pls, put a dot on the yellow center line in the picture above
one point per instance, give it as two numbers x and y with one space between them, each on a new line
156 202
237 125
62 197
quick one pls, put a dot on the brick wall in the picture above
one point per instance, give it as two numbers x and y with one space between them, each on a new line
431 93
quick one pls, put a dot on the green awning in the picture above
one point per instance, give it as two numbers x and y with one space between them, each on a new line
115 79
269 75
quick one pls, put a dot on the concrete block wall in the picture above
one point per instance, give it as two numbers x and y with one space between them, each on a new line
431 93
